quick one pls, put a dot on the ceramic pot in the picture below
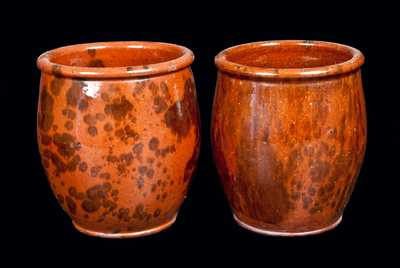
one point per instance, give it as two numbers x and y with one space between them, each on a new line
289 133
118 133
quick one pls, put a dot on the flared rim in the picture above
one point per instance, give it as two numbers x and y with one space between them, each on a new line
47 64
226 65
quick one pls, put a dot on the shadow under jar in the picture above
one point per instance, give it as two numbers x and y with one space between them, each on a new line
289 133
118 134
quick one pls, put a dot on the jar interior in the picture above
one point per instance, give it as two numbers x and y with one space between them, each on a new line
109 56
286 56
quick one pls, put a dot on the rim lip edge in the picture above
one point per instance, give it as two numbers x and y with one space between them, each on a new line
354 63
46 65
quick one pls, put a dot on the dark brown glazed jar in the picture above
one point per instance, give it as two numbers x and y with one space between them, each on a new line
289 133
118 133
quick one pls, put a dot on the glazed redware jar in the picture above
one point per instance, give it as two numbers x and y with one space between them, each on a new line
289 133
118 133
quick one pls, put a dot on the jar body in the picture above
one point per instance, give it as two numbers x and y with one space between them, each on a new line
119 153
288 151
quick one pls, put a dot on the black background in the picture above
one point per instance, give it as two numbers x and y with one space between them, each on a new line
36 225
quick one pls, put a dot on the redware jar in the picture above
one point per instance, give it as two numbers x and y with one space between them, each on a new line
118 133
289 133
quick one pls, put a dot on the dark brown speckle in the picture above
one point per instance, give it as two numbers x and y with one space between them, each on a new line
83 166
74 93
69 125
119 108
92 131
46 118
153 143
96 63
157 213
66 144
94 171
89 119
56 85
108 127
159 104
70 205
91 52
70 114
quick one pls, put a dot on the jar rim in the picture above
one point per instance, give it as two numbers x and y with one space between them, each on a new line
47 63
225 64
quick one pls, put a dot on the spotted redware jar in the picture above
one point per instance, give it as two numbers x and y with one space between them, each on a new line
118 133
289 133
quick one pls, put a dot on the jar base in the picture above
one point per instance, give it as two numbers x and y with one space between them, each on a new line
277 233
127 234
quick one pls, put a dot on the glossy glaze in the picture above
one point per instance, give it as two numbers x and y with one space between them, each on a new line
289 133
118 133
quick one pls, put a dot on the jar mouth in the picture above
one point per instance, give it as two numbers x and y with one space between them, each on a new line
289 59
115 59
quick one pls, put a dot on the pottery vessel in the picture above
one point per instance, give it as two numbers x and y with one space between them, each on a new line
289 133
118 133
